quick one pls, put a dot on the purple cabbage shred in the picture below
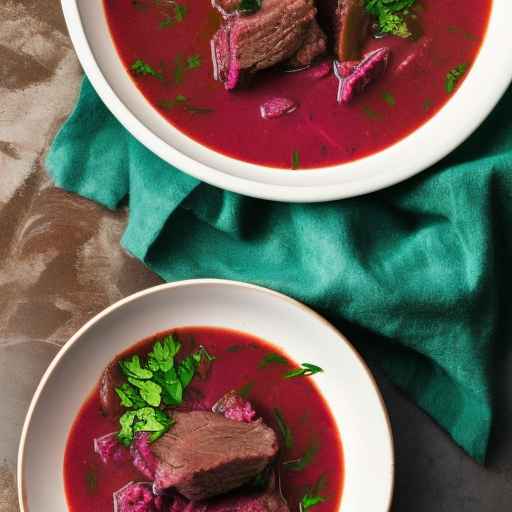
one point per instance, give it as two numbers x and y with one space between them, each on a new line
142 456
138 497
110 449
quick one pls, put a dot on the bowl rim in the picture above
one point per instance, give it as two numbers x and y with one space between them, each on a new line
371 173
201 282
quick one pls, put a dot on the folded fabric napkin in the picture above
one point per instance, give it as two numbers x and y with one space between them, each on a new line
418 272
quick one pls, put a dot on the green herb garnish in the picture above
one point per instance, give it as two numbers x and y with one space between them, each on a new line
389 98
453 77
153 383
312 496
193 62
272 358
183 101
91 480
295 160
245 390
162 356
249 6
130 397
286 433
180 11
306 459
132 368
141 68
306 370
391 15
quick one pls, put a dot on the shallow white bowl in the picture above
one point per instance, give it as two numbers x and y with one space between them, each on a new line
346 383
477 96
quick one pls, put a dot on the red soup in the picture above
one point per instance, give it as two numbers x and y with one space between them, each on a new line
272 82
261 382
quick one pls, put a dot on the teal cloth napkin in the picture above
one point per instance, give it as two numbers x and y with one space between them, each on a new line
418 272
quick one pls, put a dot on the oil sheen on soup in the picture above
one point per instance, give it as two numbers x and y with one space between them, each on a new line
308 467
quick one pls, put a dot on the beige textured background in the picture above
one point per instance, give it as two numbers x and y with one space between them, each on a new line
60 259
60 263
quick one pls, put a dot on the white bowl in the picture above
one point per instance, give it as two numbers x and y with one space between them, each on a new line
346 383
486 83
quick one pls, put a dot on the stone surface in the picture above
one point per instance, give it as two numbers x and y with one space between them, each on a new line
61 262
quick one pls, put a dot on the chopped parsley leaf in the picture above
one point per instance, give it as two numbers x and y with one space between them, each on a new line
271 358
155 381
193 62
389 98
286 433
306 370
141 68
453 76
245 390
306 459
132 368
295 160
391 15
313 496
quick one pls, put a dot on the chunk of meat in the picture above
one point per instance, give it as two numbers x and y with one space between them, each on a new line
234 407
111 378
347 23
205 454
363 74
314 45
268 500
246 44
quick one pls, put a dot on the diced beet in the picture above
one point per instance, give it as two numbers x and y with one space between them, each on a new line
110 449
277 107
142 456
368 70
321 70
138 497
234 407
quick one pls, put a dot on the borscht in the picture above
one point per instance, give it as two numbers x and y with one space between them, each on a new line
203 419
298 84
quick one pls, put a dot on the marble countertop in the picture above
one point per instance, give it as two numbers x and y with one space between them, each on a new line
61 263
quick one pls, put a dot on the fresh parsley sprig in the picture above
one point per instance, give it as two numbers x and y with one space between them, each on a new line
155 383
391 15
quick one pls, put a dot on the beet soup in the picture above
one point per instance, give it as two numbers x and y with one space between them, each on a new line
298 84
204 419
